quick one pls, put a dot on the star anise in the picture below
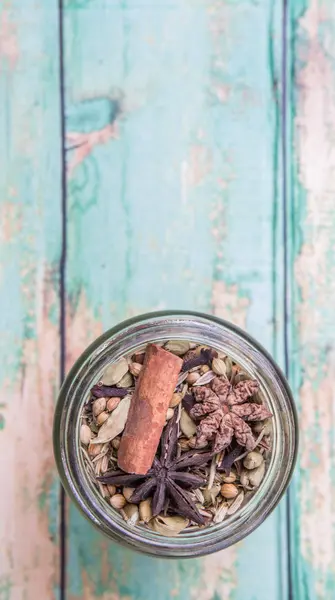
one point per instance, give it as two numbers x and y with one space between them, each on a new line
223 408
168 478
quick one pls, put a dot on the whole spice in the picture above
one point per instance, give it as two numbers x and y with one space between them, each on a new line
145 510
112 403
192 377
126 381
118 501
229 478
187 426
253 460
225 411
236 504
169 526
116 443
187 454
94 449
195 359
219 366
85 434
229 490
135 368
151 399
177 346
229 458
102 417
98 406
175 400
115 422
131 514
253 478
115 372
169 414
128 492
108 391
168 477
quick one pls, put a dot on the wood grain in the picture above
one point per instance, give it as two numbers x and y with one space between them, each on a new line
29 315
312 258
174 197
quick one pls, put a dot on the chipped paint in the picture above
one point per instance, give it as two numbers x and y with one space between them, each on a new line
228 303
315 279
11 221
9 50
29 554
197 166
82 328
83 144
218 576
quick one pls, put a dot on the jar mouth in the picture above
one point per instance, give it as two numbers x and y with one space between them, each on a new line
158 327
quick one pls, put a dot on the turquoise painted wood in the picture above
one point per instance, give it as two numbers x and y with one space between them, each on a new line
30 242
312 269
174 202
177 196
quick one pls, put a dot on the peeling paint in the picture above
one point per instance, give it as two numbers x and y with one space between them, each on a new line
29 554
9 50
82 328
197 166
82 144
228 303
315 279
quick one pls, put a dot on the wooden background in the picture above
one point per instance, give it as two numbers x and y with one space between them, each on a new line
164 154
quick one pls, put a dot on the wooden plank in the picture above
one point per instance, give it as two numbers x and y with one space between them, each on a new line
312 262
29 248
172 203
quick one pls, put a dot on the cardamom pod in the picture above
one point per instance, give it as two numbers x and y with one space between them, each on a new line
115 372
126 381
253 460
256 476
169 526
178 347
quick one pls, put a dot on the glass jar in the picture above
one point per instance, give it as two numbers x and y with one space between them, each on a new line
125 338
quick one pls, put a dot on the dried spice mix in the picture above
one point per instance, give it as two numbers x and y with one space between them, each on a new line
176 437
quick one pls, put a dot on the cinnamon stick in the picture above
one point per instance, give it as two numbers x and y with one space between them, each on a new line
155 386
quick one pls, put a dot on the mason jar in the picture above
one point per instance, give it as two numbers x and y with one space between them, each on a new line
125 338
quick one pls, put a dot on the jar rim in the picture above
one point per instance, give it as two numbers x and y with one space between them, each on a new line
94 359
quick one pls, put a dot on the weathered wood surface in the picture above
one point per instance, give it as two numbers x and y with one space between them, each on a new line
30 243
183 190
312 272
